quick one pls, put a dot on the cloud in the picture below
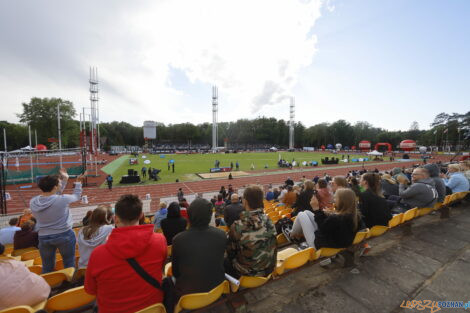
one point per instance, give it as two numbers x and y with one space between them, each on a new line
252 50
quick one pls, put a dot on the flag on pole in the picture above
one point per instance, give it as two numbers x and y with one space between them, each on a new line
445 130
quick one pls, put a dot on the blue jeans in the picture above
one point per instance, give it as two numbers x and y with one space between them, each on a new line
48 246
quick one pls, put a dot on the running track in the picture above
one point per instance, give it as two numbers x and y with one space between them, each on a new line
20 198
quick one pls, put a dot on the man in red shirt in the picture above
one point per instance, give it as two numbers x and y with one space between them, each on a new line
111 278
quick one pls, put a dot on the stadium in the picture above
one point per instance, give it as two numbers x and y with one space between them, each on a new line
146 190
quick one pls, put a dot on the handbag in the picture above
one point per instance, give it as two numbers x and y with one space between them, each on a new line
167 286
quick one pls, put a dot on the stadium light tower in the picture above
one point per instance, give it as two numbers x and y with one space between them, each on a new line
215 110
95 131
291 123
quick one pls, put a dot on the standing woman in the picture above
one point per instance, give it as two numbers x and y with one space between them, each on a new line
94 234
372 204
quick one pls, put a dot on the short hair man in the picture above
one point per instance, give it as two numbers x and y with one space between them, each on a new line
251 249
421 193
7 233
109 274
233 210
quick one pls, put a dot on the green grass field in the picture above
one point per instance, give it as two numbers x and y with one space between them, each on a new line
186 166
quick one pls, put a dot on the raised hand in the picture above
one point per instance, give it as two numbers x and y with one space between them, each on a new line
63 174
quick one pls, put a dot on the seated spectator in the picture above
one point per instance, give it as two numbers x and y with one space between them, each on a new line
372 204
339 182
465 166
335 229
251 250
289 182
184 205
51 209
110 276
233 210
160 215
219 208
7 233
198 253
270 195
87 217
173 223
302 202
355 186
434 172
290 197
223 192
27 215
421 193
110 215
94 234
456 180
276 193
389 186
20 286
26 237
324 197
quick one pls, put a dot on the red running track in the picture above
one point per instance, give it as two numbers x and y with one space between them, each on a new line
20 198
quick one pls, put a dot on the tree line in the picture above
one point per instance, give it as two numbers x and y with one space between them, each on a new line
41 114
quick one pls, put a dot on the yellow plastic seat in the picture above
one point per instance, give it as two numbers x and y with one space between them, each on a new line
290 258
268 210
329 252
155 308
69 300
377 230
8 249
80 273
395 220
19 309
273 214
168 249
250 282
19 252
224 228
59 265
30 255
410 214
39 306
55 279
360 236
36 269
199 300
438 205
424 211
281 239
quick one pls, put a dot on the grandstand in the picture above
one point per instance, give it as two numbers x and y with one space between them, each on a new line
294 264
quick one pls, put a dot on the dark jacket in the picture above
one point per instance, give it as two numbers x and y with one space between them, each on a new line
334 230
433 170
374 209
198 254
302 202
232 213
198 259
25 239
389 189
420 194
173 223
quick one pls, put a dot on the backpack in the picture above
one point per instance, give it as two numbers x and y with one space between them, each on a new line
282 224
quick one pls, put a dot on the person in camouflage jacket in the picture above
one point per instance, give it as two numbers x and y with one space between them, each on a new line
251 248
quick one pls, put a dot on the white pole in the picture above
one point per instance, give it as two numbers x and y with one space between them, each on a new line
60 135
5 138
36 138
30 155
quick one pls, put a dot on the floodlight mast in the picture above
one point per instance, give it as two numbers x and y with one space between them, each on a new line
291 123
215 110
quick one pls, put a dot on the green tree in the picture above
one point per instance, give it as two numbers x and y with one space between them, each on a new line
41 115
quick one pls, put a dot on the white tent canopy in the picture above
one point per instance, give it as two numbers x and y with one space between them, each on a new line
375 152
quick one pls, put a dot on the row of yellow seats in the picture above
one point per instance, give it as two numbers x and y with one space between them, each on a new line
68 300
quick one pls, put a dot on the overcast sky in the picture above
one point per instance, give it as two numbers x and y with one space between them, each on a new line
388 62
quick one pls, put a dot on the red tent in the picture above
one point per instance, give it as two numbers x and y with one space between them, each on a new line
383 144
